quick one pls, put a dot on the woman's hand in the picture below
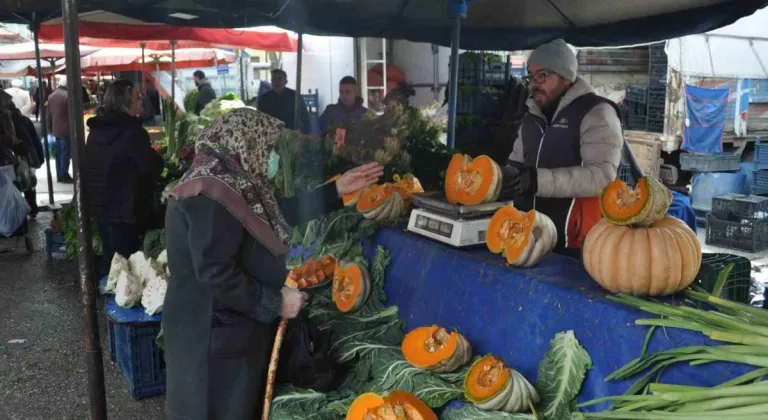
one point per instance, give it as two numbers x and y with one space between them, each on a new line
293 302
358 178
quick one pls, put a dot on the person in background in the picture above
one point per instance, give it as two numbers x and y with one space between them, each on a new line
226 235
280 103
58 127
28 150
350 107
21 98
568 148
205 92
121 172
36 98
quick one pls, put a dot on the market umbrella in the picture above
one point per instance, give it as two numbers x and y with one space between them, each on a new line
26 51
130 59
106 29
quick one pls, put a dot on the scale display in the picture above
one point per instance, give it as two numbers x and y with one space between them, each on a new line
458 233
433 225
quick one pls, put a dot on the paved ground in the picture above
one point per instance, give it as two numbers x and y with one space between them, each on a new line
44 378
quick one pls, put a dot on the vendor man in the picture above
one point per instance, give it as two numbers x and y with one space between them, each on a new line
568 148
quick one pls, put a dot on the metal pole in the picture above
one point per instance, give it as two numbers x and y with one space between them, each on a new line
243 96
299 100
93 356
173 73
41 111
143 76
454 82
435 73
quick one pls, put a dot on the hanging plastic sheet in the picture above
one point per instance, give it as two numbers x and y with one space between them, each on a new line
706 113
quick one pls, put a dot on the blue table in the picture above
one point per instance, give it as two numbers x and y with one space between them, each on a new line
514 313
129 316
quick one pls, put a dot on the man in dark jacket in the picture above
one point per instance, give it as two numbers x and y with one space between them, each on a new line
121 172
280 103
350 107
205 92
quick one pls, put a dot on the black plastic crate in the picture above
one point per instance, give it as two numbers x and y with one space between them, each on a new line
480 101
475 134
477 70
637 93
737 207
636 123
747 235
737 284
657 96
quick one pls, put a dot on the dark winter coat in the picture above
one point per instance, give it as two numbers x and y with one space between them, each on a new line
205 94
221 306
121 169
281 106
340 114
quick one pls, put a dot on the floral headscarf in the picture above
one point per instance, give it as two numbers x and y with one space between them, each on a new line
230 166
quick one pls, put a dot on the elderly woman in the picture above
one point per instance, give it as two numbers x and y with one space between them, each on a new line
121 170
226 253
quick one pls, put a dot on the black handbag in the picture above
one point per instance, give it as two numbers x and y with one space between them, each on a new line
307 359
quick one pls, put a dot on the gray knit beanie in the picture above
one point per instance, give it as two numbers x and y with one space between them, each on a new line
556 56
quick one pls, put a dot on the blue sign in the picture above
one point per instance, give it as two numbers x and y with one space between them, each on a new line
223 69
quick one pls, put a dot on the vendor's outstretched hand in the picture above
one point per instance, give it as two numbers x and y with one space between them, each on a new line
358 178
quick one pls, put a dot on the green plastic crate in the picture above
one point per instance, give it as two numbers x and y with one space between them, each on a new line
736 287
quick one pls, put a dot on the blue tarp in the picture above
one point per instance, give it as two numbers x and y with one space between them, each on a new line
490 24
681 208
514 313
705 111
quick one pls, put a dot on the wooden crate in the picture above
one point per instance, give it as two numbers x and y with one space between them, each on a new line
647 150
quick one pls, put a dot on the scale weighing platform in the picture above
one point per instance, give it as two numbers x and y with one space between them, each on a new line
453 224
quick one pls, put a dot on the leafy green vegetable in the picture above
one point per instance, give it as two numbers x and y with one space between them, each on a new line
68 217
154 243
190 101
470 412
561 374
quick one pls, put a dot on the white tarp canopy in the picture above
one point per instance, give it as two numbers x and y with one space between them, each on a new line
738 51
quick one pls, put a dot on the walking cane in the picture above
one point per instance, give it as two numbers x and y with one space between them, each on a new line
272 372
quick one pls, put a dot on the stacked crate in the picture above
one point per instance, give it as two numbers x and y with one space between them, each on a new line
657 88
738 222
760 181
480 103
636 100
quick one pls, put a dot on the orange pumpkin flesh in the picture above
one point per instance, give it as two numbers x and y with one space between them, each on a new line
398 405
374 197
312 273
643 205
348 199
509 231
657 260
351 287
425 347
363 404
486 378
472 181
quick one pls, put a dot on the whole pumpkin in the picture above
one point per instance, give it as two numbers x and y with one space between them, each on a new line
657 260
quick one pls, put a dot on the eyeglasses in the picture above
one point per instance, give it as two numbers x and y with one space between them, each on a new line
539 77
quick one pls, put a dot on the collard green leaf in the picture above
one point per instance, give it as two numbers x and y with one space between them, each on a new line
561 375
470 412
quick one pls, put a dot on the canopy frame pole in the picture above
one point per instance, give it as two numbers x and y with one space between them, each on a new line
41 111
240 61
93 353
299 100
143 75
458 10
173 73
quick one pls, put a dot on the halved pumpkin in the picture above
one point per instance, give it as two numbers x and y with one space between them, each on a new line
398 405
492 386
643 205
312 273
435 349
472 181
524 238
351 287
381 202
348 199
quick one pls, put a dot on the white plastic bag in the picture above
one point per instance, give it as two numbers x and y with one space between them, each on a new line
13 207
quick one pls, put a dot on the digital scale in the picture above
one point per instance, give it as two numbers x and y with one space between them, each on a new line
453 224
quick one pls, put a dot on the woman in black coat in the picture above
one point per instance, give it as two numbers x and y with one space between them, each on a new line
121 172
226 254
